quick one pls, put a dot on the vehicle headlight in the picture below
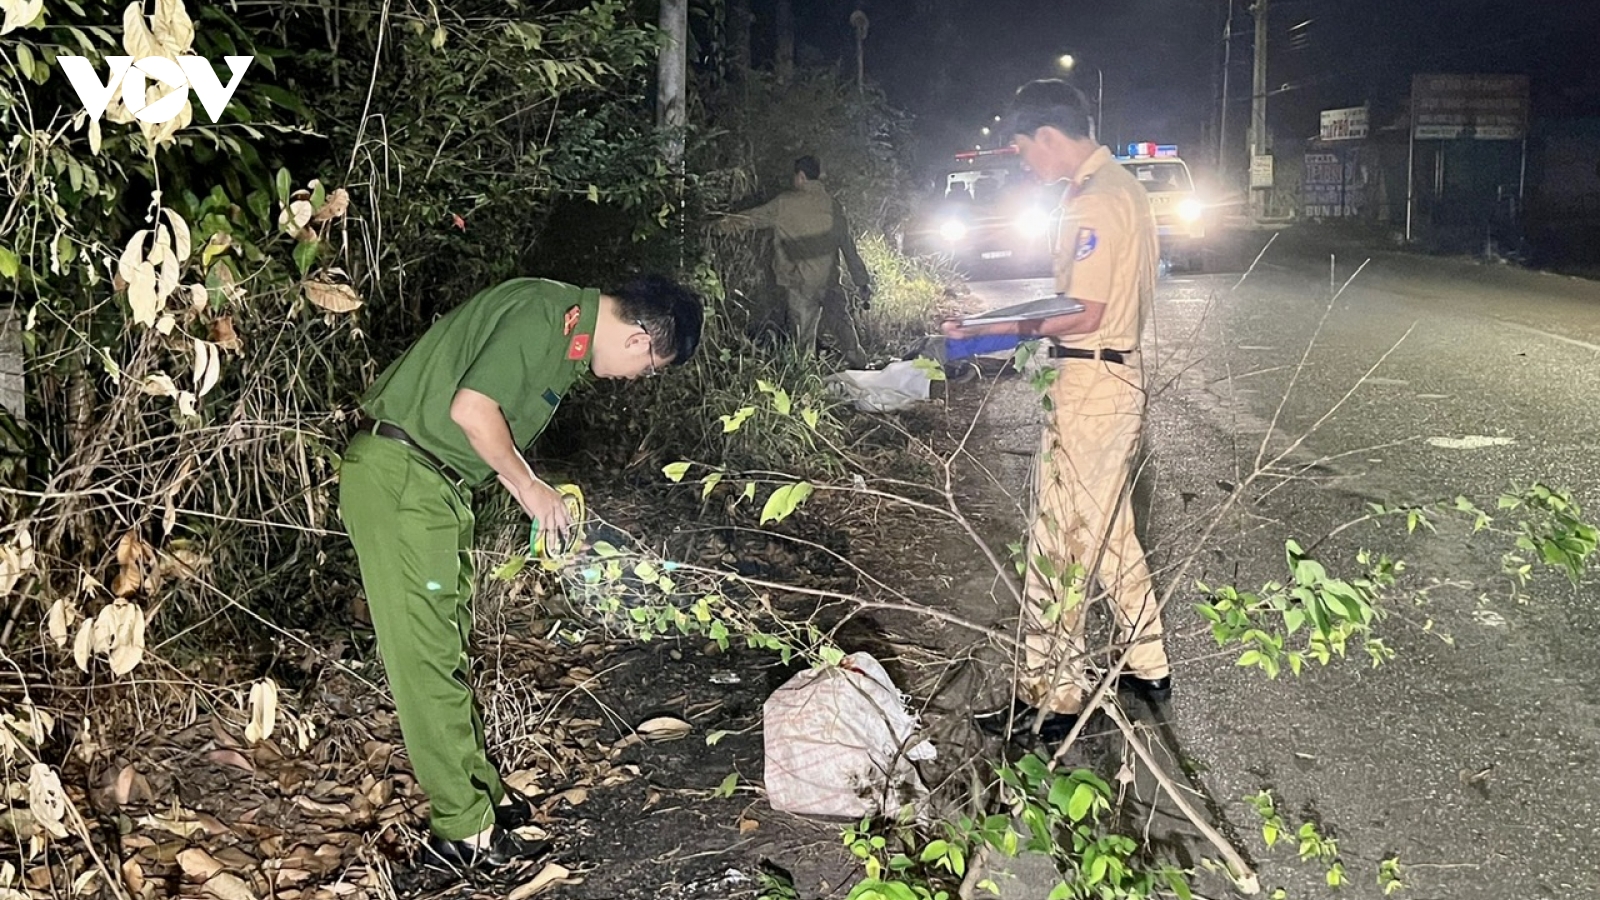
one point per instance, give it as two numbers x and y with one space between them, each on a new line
953 230
1034 222
1191 210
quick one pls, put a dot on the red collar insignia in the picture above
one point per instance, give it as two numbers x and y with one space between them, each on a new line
579 348
573 315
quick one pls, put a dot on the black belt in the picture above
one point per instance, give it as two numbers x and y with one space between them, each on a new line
1112 356
393 433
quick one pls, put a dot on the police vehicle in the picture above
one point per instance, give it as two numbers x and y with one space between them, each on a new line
1178 210
991 216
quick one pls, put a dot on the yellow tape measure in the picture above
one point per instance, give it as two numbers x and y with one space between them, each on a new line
572 499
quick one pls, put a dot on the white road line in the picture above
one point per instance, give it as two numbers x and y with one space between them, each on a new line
1542 333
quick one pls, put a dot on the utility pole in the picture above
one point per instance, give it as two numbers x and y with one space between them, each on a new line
859 21
1227 70
785 28
1258 104
1100 105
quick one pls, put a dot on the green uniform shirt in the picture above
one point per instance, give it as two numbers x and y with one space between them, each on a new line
521 343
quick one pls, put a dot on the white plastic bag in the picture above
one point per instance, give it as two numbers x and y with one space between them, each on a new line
894 387
839 743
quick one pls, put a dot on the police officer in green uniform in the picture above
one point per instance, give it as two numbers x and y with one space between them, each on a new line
811 233
456 408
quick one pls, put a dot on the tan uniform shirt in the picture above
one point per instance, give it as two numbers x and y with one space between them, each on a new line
811 233
1107 252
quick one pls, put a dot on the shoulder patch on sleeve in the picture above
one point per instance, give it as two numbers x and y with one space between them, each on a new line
1086 244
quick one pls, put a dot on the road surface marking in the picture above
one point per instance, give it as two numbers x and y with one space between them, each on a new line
1546 334
1469 442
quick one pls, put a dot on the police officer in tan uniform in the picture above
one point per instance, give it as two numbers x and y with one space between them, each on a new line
811 233
1082 543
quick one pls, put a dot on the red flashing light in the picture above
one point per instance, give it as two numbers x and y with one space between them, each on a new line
1152 150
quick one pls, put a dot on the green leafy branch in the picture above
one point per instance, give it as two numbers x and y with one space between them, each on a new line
1317 616
1550 528
1313 845
1063 816
1325 612
1546 527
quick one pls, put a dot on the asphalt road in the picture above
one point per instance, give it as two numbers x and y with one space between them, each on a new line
1471 756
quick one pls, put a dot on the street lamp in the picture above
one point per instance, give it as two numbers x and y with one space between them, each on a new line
1068 62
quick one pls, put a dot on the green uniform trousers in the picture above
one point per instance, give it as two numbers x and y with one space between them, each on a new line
413 532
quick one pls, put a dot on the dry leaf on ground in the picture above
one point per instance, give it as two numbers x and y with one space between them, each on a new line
574 796
198 864
225 757
130 787
550 876
133 875
664 728
524 781
228 887
320 808
178 823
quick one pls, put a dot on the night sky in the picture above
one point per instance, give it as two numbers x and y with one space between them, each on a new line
953 63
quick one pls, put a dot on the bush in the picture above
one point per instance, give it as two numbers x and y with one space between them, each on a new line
187 414
909 294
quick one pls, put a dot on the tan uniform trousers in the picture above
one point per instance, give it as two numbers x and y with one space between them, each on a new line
1086 457
825 311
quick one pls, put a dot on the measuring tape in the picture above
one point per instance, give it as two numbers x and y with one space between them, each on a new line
572 499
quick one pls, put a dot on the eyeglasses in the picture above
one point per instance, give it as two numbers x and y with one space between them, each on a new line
652 345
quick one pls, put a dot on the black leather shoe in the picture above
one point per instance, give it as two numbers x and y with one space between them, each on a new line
1016 723
516 814
1156 690
505 850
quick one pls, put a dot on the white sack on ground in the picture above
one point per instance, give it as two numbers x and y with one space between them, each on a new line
894 387
839 743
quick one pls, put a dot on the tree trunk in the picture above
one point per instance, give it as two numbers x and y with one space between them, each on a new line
672 71
785 26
